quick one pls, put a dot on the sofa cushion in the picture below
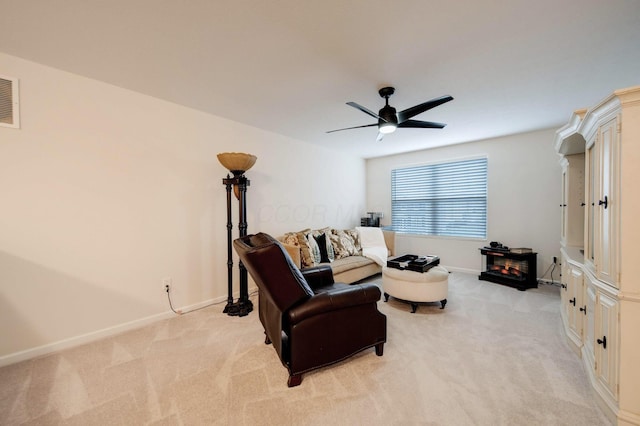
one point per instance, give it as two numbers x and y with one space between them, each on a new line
340 265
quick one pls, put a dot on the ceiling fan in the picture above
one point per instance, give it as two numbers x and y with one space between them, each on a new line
389 120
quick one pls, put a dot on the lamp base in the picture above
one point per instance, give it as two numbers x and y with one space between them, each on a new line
240 308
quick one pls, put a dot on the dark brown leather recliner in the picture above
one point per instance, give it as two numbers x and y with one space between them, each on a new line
311 321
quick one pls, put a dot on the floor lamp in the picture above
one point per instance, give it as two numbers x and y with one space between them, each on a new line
237 163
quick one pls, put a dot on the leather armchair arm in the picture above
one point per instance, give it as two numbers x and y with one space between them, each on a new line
318 276
340 297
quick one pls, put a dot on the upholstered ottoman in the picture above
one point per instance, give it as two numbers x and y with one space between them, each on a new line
415 287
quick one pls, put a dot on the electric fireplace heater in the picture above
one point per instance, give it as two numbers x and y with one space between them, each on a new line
510 268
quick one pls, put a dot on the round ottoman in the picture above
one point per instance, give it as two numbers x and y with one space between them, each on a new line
414 287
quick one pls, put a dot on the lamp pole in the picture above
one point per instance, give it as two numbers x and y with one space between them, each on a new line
229 305
243 306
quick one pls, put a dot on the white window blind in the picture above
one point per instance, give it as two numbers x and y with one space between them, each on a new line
444 199
9 102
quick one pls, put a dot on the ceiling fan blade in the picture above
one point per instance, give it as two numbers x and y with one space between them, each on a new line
416 124
365 110
415 110
380 137
349 128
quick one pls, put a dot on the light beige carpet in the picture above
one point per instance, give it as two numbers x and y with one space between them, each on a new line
493 356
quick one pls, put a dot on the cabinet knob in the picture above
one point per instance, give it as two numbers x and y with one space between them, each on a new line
603 342
604 202
563 286
573 301
582 204
584 310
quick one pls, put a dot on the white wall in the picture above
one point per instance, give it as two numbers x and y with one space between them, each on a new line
523 200
105 192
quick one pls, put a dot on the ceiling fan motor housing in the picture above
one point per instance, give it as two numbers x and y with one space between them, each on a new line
388 115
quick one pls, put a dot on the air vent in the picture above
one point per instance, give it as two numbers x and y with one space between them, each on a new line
9 111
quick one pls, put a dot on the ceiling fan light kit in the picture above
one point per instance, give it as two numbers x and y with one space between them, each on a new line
387 128
389 119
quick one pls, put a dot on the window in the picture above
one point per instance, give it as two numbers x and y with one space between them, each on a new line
444 199
9 102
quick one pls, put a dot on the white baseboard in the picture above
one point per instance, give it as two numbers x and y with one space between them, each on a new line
80 340
549 282
465 270
101 334
628 418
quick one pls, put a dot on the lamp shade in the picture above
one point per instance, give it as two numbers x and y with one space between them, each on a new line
237 162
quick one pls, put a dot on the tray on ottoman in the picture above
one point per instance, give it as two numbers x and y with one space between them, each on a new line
413 262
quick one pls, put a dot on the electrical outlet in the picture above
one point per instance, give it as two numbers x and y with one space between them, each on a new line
166 284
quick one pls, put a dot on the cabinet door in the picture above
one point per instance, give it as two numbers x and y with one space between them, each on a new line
575 290
590 199
572 203
563 204
589 324
606 331
564 277
606 204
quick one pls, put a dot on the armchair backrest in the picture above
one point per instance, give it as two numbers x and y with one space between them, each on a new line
280 282
272 269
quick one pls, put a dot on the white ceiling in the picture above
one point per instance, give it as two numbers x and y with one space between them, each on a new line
289 66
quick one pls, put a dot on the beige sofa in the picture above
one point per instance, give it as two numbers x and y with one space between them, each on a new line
348 269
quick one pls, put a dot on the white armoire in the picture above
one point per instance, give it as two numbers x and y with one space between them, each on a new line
600 248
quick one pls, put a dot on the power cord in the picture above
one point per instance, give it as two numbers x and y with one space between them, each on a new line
551 267
180 312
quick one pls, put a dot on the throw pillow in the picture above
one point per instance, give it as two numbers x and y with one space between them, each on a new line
338 248
343 244
327 231
291 238
315 249
321 242
330 254
347 241
355 236
306 259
